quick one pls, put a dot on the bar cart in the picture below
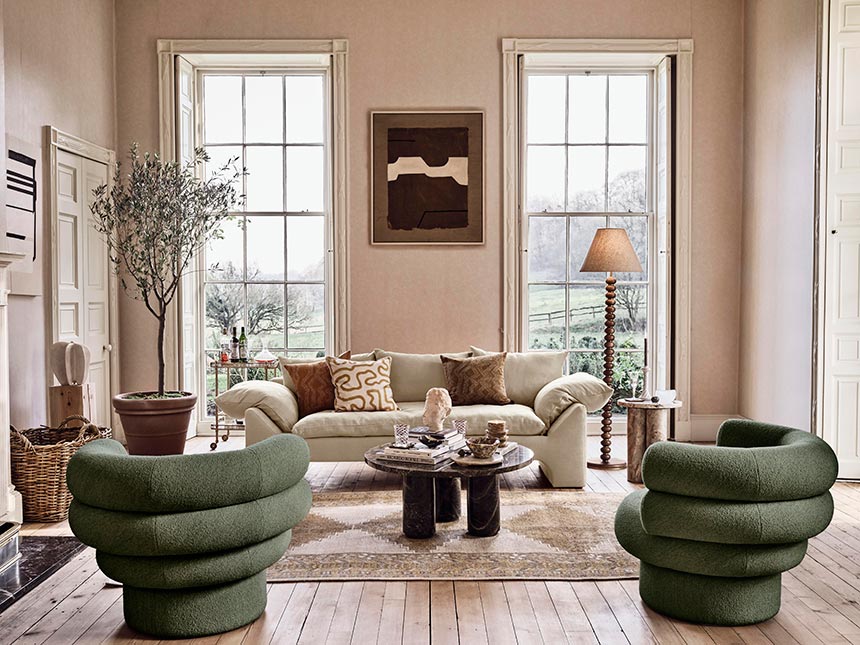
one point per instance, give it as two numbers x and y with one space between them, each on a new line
222 423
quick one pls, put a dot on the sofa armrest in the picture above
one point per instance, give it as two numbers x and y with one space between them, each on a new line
558 395
276 401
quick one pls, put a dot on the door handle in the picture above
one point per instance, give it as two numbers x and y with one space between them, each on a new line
108 347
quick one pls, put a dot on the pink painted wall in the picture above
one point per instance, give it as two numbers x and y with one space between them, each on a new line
409 55
779 165
59 71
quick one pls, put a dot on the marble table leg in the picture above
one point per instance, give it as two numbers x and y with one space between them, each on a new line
419 507
447 499
482 499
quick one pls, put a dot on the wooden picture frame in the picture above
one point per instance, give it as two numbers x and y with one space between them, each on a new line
427 177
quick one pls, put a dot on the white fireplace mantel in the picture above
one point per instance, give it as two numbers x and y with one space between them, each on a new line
10 499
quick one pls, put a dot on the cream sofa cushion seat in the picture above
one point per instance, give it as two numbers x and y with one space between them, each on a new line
527 372
413 374
521 421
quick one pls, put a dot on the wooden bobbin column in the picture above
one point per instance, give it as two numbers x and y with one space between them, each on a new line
606 460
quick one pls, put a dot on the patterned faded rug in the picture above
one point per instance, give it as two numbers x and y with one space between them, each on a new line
545 535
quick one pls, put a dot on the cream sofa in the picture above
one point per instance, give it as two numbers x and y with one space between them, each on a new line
548 412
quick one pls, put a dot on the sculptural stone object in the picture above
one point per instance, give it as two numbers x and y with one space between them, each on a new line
70 363
437 407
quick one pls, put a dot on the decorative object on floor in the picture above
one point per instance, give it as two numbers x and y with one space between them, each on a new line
545 535
718 525
610 252
498 429
40 457
155 219
41 557
647 423
189 543
425 484
427 181
437 407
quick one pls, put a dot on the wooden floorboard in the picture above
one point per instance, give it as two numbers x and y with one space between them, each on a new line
821 597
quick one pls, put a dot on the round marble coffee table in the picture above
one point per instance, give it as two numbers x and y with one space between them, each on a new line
432 494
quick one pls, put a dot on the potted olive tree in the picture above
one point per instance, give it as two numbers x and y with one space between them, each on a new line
154 220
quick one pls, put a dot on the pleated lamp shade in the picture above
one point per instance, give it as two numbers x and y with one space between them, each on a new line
611 251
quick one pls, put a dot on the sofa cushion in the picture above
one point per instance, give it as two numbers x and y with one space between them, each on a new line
527 372
703 558
279 403
283 361
413 374
521 420
313 386
361 386
557 396
477 380
713 520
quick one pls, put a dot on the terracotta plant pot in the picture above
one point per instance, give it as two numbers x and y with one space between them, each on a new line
155 426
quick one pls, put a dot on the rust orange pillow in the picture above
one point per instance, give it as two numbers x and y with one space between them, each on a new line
313 386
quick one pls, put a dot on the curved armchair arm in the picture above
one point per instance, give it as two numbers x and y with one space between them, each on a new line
102 475
276 401
558 395
753 462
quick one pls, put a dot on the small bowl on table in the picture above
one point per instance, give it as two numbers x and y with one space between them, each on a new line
482 447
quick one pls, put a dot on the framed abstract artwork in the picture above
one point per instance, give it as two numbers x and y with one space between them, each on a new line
427 177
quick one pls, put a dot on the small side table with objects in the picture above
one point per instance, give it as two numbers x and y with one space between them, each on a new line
647 423
221 422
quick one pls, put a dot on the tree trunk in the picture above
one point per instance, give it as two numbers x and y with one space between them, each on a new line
161 323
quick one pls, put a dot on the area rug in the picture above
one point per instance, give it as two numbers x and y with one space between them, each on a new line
545 535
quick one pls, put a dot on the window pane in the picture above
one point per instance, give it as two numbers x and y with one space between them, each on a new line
305 315
306 248
588 362
637 231
305 109
264 109
627 178
546 109
628 367
265 248
546 317
587 179
631 313
224 310
305 179
224 256
545 180
628 108
265 320
587 316
546 249
222 109
587 111
265 178
221 157
582 231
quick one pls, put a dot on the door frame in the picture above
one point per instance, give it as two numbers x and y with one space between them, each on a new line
56 140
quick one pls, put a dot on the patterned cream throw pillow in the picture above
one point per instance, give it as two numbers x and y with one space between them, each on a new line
361 386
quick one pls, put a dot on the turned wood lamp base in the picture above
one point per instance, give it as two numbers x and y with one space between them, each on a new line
612 464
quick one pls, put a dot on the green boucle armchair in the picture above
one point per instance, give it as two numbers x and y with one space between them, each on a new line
718 525
189 536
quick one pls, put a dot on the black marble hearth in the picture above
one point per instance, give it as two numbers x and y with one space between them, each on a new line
41 557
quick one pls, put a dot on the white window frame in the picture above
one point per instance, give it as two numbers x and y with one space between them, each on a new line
599 54
256 55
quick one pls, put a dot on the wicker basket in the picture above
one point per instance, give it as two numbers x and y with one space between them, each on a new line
39 460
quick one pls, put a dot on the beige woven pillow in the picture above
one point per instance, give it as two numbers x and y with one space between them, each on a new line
361 386
473 381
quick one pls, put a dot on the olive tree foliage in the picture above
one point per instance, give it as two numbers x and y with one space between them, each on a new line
155 218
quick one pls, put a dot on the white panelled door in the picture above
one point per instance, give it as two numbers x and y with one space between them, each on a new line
841 410
83 273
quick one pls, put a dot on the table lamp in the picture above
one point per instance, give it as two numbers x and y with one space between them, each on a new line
610 252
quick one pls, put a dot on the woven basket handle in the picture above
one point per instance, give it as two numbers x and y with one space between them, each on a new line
86 428
20 436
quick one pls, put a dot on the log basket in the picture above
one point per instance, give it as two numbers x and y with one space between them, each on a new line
40 457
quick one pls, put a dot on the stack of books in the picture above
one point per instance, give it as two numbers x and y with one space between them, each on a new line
419 453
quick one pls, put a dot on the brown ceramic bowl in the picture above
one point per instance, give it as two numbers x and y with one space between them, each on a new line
482 447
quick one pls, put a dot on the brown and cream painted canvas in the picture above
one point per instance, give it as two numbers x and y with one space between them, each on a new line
428 178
